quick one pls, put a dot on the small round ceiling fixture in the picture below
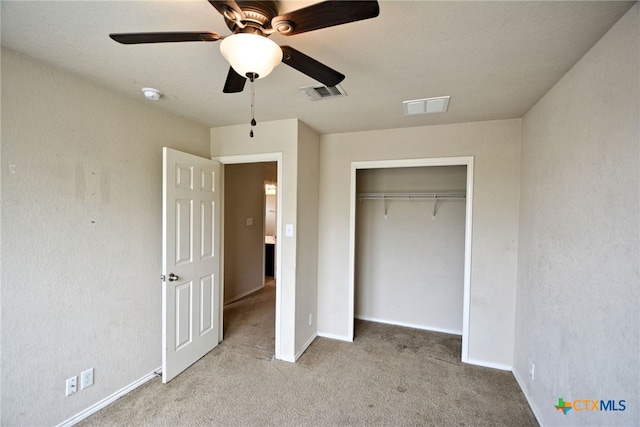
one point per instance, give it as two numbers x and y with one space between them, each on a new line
151 93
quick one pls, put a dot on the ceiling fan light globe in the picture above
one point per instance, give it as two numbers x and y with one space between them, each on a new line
251 53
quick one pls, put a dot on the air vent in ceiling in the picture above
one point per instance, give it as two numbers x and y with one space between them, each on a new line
316 93
438 104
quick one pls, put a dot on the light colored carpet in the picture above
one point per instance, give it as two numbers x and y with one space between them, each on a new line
389 376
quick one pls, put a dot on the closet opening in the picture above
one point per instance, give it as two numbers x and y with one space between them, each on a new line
411 243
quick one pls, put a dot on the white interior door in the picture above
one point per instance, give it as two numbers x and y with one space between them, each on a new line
190 260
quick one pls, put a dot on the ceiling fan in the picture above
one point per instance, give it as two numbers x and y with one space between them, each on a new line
249 51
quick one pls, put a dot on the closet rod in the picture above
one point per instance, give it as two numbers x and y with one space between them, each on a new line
412 196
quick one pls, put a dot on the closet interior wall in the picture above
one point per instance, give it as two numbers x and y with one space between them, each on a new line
409 264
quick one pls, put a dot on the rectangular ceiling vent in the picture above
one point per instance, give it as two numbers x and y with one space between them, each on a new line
438 104
316 93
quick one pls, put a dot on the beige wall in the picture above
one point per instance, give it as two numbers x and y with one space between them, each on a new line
578 316
307 237
495 146
81 238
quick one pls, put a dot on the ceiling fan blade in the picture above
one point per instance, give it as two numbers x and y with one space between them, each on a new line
309 66
229 9
325 14
234 83
190 36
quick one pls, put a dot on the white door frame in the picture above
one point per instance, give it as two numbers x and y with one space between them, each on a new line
406 163
258 158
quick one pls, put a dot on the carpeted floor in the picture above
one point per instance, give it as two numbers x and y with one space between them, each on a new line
389 376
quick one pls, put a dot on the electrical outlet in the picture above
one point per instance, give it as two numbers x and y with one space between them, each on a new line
72 385
310 319
532 370
86 379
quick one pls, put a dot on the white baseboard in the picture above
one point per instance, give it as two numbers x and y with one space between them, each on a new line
525 391
411 325
295 357
305 346
244 294
334 337
486 364
286 358
110 399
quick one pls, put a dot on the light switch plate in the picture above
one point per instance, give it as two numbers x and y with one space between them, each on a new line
289 230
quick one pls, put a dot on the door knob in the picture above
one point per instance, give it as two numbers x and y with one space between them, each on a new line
173 277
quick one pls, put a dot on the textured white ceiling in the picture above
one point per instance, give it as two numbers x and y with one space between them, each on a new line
495 59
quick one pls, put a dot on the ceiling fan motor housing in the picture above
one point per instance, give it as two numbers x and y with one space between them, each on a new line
257 17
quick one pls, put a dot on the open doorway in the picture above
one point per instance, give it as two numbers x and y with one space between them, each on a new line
250 257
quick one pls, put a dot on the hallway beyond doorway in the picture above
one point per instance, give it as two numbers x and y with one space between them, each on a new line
249 323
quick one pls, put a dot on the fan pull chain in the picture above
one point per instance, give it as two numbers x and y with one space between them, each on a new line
253 102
